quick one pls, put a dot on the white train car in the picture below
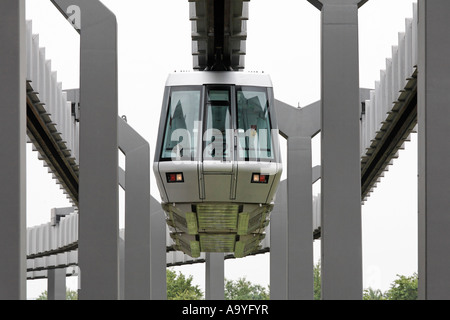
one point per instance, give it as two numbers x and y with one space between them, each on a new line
217 160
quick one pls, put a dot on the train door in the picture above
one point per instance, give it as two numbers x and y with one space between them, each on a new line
217 170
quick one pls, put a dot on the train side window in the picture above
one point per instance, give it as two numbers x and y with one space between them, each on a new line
183 116
253 124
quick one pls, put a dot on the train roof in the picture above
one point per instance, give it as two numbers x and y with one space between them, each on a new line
219 77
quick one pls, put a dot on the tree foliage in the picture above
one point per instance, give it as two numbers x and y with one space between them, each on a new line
403 288
317 282
372 294
242 289
70 295
180 288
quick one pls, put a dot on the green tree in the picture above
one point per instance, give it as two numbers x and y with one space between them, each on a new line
242 289
43 296
180 288
317 282
403 288
70 295
372 294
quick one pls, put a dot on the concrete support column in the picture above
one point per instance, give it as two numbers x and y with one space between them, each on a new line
299 221
279 246
137 213
56 285
215 278
292 263
98 195
341 164
143 251
122 263
12 150
434 149
158 233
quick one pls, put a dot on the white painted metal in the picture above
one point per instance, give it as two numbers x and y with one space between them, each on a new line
44 81
392 80
42 274
217 77
201 15
384 99
45 238
57 110
220 187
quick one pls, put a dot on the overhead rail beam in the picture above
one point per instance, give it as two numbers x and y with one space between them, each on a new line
52 122
389 116
219 33
48 142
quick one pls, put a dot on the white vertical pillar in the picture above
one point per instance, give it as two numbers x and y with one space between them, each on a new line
158 255
279 246
56 284
299 221
293 238
341 163
214 284
12 150
137 213
98 155
434 149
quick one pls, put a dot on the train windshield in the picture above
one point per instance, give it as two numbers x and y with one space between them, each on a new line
253 124
232 118
180 139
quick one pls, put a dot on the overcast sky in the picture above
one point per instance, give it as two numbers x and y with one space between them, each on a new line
284 41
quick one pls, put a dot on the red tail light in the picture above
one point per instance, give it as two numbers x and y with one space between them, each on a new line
260 178
174 177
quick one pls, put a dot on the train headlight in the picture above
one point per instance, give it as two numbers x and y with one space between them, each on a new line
174 177
260 178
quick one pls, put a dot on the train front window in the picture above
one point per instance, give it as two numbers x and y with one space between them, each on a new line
253 124
217 124
183 118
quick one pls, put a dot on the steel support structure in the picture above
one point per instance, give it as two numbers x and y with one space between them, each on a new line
13 152
144 258
158 232
434 150
214 276
56 284
98 177
279 246
341 235
137 212
292 267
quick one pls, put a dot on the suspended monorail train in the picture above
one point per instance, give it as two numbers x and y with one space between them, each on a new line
217 160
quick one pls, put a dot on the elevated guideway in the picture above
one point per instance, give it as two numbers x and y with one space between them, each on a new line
52 119
387 119
390 115
219 33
